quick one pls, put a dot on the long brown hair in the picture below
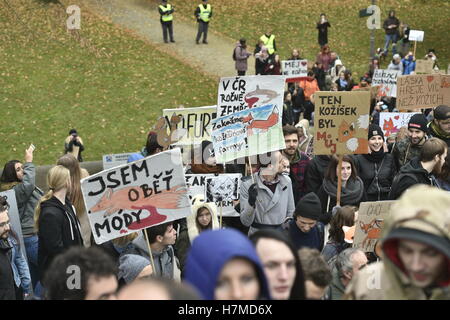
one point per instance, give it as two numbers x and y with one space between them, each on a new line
75 196
330 174
344 216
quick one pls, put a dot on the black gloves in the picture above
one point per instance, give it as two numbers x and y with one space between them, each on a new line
252 194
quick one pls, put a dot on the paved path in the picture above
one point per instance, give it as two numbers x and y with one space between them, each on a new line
143 19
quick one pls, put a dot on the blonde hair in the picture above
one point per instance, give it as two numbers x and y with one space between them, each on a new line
58 178
75 196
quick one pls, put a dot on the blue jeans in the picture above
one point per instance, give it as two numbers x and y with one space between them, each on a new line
31 246
390 38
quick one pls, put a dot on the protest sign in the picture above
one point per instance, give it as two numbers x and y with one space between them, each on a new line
294 70
369 224
445 89
341 120
391 122
221 189
242 93
195 121
248 132
135 196
424 66
114 160
419 91
14 218
416 35
386 80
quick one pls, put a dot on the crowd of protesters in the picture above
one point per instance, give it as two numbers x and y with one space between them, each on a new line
290 238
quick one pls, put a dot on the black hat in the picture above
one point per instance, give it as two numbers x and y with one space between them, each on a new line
73 131
418 121
442 112
375 130
309 207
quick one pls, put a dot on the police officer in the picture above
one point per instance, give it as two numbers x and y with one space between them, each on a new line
203 13
269 41
166 10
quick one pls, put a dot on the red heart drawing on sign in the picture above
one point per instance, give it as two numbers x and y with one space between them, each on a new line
430 78
304 63
397 117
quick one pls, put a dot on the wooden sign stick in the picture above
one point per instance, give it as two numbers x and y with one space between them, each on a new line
415 46
339 186
150 252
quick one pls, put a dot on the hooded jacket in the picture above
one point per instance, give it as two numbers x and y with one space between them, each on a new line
414 167
210 251
417 218
27 196
404 151
59 229
190 232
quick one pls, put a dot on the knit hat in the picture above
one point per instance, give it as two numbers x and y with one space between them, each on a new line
418 121
130 266
442 112
375 130
134 157
309 207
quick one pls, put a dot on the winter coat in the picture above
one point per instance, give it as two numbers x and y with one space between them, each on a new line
314 239
315 172
297 173
7 289
241 54
408 65
414 168
416 218
388 22
309 86
210 251
188 233
436 131
394 66
377 176
59 229
404 151
27 197
271 208
332 249
19 264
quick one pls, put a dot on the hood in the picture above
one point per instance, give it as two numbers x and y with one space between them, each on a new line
414 166
53 202
197 203
421 219
338 62
304 124
210 251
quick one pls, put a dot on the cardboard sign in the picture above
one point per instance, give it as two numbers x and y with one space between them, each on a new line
294 70
391 122
416 35
242 93
369 224
419 91
222 189
386 80
248 132
445 89
135 196
114 160
424 66
195 121
341 120
14 218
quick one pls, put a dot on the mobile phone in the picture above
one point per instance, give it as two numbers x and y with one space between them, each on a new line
32 147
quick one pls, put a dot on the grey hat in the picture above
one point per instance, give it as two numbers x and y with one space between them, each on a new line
130 266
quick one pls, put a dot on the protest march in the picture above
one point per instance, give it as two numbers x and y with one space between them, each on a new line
302 181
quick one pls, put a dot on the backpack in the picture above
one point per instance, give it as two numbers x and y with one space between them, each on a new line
395 182
234 54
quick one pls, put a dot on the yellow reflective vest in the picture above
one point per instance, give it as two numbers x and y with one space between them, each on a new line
166 17
268 42
204 13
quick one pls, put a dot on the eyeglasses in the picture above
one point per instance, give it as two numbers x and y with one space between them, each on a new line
3 224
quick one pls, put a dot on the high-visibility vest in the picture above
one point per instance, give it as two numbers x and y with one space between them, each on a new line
204 13
166 17
268 42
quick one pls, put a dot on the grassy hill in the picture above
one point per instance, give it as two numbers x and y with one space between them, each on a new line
108 84
293 22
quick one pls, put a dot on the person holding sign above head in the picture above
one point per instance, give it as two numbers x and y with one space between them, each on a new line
422 169
377 168
409 63
223 265
74 145
166 11
416 251
352 192
410 146
203 13
268 202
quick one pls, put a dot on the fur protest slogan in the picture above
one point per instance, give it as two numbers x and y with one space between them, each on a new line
419 91
386 80
135 196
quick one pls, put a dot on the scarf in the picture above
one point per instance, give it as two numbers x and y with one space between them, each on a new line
439 132
375 156
350 194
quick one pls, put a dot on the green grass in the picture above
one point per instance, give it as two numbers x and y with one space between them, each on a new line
49 84
293 22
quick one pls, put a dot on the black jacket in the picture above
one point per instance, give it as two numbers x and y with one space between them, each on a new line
377 176
7 286
405 180
315 172
388 22
59 229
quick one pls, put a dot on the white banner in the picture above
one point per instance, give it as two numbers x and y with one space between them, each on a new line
114 160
